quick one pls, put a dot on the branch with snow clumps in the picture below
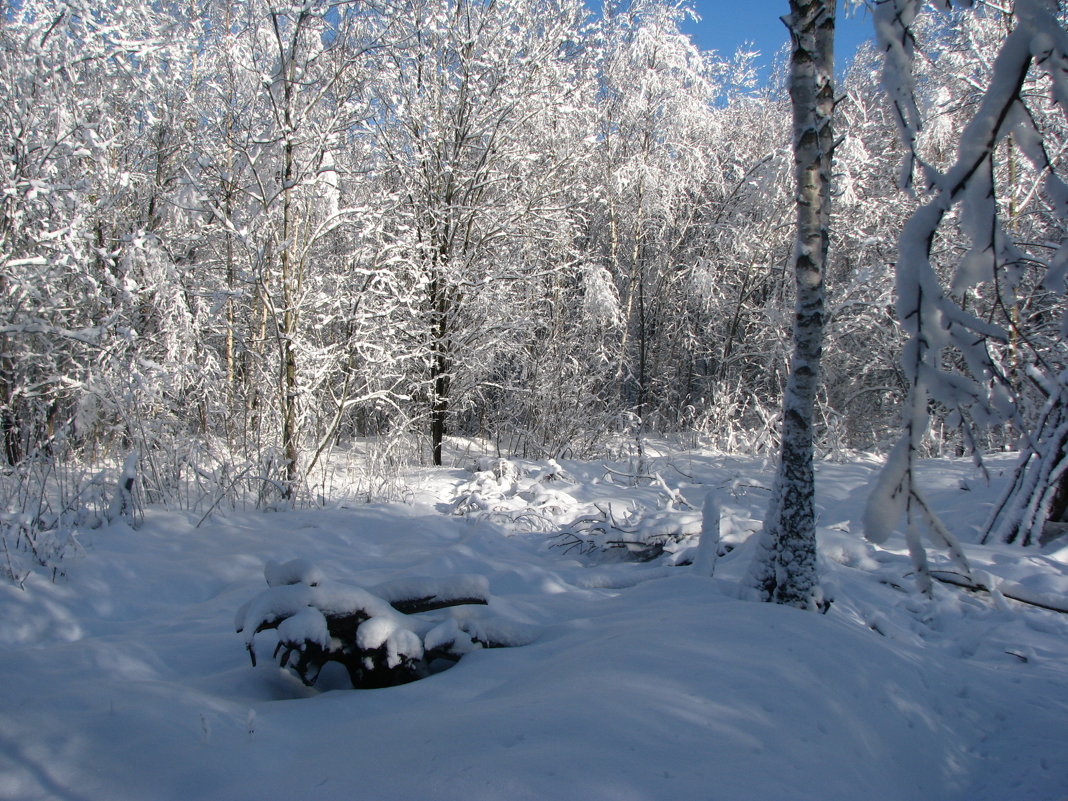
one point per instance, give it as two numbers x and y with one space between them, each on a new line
933 317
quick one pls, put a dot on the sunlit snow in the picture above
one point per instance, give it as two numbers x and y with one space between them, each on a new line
631 680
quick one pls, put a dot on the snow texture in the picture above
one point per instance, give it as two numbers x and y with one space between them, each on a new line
307 625
123 680
295 571
443 589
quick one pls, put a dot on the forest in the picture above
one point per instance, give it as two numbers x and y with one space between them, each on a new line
472 368
239 237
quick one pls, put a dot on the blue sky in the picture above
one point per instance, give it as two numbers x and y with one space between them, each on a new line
726 24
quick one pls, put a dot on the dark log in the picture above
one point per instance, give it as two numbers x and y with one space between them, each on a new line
413 606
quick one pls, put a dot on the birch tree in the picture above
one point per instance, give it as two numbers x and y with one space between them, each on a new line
784 569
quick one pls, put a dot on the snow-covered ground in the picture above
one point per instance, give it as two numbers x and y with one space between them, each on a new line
124 679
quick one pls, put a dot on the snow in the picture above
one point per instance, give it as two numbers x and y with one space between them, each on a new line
704 559
123 679
295 571
307 625
271 605
448 634
390 633
448 588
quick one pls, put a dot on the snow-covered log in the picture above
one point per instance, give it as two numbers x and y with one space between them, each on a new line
381 638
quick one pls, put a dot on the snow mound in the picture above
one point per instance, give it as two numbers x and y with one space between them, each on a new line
295 571
426 591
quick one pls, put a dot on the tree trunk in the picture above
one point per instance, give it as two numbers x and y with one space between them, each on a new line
440 366
439 408
9 427
785 567
290 278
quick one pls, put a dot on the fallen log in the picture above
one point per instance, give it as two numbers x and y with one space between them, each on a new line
1012 591
378 636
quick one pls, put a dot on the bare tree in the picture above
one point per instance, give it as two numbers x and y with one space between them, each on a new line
461 89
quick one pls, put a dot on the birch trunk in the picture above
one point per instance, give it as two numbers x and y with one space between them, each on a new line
784 570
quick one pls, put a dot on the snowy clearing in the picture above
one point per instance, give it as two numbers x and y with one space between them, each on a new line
125 679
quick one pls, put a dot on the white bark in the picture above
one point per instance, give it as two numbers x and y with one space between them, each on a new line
785 567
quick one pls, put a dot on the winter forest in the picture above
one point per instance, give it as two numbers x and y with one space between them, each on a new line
482 324
241 236
237 237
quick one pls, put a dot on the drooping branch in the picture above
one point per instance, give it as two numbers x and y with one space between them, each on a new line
934 317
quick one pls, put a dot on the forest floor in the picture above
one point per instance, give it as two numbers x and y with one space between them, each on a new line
124 679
